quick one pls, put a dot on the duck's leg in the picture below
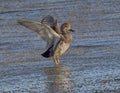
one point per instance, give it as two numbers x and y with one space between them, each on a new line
56 60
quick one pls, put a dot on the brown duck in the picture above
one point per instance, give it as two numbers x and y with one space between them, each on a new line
58 38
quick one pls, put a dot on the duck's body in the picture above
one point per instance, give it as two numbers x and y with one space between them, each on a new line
62 46
58 38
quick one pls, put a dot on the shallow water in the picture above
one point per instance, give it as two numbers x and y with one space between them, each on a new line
92 63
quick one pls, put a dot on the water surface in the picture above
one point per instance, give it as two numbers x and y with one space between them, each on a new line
92 63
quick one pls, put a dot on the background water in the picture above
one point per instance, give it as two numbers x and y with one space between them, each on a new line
92 63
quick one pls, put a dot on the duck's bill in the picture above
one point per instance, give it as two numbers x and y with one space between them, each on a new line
71 30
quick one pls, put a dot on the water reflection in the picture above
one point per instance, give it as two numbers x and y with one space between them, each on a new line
59 79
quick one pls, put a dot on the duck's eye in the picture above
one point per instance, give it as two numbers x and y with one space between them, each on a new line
65 26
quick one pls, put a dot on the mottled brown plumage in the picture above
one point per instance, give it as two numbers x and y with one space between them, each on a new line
58 38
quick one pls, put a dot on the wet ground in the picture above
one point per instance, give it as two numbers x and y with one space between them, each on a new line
92 63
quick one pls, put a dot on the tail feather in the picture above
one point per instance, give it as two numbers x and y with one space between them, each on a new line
48 53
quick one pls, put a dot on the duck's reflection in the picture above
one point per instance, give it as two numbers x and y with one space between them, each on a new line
59 80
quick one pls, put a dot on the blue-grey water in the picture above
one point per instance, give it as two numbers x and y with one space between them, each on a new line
92 63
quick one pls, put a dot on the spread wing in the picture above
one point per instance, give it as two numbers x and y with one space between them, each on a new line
49 20
44 30
52 22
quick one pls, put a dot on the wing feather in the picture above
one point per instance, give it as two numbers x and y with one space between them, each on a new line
44 30
52 22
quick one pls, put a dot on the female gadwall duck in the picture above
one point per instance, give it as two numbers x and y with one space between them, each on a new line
58 38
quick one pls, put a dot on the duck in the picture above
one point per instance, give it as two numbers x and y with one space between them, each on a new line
57 38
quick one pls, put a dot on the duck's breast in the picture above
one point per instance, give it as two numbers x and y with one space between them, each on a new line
62 47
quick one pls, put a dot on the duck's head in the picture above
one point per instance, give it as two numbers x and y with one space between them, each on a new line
65 27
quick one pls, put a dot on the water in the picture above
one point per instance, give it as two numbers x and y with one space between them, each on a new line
92 63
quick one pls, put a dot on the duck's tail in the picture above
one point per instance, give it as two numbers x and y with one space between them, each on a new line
48 53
